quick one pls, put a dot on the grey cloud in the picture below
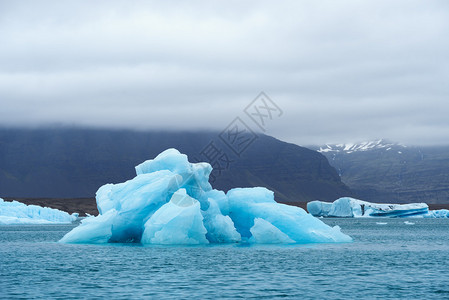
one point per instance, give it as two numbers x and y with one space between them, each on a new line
341 71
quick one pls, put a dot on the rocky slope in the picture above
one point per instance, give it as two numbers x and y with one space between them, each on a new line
382 171
74 163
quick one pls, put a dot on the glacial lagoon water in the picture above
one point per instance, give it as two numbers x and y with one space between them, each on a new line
389 258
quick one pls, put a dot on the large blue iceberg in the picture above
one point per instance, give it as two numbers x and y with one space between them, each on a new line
17 213
171 201
347 207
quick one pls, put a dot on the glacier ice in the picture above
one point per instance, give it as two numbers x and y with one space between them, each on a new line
171 201
319 208
14 212
263 232
438 214
177 222
347 207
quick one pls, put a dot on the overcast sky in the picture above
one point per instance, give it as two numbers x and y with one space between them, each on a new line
340 71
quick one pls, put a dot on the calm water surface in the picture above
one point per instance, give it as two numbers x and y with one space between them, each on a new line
393 260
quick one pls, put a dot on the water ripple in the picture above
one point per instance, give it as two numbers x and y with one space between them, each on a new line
394 261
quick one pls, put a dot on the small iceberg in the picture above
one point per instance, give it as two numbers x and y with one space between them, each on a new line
409 223
171 202
14 213
347 207
381 223
438 214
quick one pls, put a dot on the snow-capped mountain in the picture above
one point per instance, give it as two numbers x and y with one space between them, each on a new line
356 147
383 171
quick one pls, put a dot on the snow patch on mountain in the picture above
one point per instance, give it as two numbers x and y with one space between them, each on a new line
356 147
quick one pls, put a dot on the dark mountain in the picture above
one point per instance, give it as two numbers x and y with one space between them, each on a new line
74 163
381 171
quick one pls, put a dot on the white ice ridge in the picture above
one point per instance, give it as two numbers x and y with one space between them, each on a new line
12 213
171 201
353 208
355 147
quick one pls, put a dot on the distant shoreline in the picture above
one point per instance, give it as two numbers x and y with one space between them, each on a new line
85 206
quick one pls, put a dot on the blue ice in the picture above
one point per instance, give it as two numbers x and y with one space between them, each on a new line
171 202
13 213
347 207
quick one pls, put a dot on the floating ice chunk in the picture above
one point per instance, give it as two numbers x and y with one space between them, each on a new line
137 193
220 228
171 160
220 199
178 222
171 201
319 208
349 207
104 202
441 213
137 200
409 223
19 213
263 232
250 203
343 207
193 175
93 230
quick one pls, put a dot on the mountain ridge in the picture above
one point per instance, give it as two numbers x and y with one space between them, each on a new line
384 171
363 146
74 163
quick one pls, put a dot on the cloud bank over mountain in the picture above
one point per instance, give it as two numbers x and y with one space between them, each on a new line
341 72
